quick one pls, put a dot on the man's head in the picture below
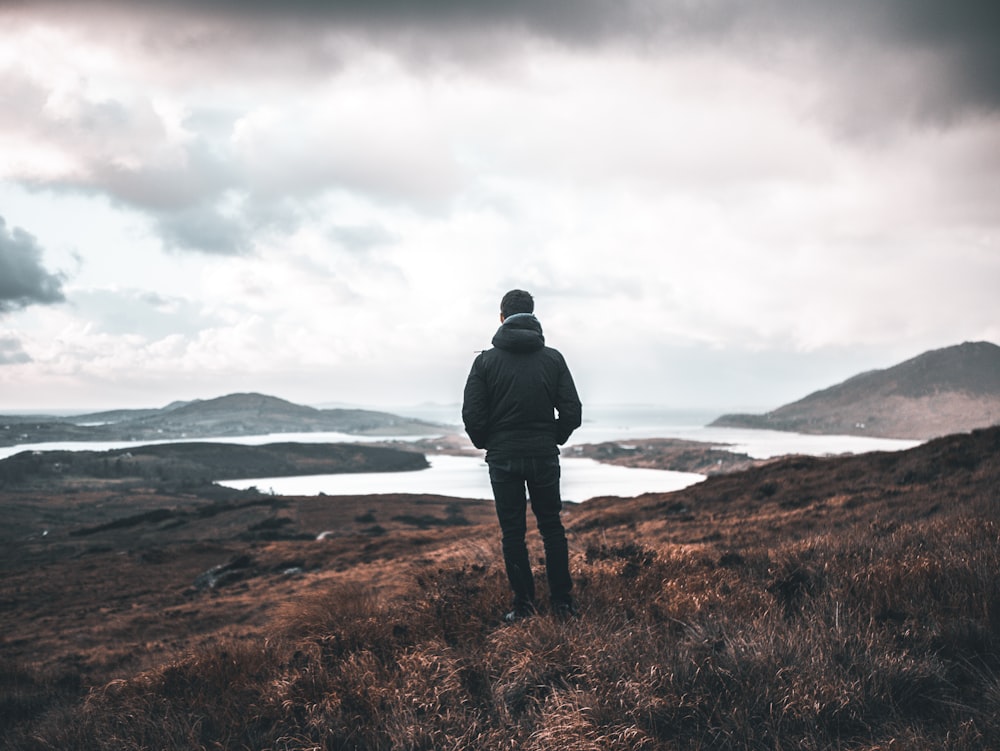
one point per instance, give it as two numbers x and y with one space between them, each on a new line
516 301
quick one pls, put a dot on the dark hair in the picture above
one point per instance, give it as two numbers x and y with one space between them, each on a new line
516 301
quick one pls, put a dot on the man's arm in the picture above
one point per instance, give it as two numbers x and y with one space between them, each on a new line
476 406
567 405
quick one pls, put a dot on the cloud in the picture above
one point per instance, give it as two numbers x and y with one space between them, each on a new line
913 58
11 351
204 229
23 279
134 313
72 137
361 238
354 96
964 35
960 36
362 180
212 176
376 132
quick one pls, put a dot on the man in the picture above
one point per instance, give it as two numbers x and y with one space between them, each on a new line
520 404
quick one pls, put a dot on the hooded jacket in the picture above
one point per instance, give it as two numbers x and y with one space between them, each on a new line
520 399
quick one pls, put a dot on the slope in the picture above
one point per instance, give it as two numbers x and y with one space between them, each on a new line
955 389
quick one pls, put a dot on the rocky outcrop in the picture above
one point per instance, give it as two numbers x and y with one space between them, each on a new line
674 454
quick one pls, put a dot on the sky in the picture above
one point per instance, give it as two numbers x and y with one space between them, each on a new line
718 204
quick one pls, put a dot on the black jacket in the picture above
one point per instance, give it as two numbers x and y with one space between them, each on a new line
520 399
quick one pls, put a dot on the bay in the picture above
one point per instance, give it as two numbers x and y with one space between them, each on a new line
466 477
632 422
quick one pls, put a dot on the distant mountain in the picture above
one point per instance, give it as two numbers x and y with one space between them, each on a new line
225 416
950 390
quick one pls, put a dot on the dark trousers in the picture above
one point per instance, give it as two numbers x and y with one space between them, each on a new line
539 475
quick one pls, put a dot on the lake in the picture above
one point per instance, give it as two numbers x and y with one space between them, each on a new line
466 477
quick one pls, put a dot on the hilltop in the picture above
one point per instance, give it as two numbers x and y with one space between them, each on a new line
950 390
839 602
225 416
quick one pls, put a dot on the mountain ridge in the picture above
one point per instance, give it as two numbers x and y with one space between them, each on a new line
237 414
948 390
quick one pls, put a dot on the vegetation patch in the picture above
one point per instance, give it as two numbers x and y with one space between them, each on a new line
859 620
821 644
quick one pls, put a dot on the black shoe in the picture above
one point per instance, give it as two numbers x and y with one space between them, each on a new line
519 613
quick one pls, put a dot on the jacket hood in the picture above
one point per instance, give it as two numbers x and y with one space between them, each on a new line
520 332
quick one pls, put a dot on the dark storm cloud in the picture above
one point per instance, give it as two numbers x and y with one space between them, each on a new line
23 279
586 19
967 32
953 47
958 40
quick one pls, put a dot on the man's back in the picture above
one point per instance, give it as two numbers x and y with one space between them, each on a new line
515 390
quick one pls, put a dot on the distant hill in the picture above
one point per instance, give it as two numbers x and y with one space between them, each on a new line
225 416
950 390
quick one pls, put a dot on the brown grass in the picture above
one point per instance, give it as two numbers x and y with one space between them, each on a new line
837 609
823 643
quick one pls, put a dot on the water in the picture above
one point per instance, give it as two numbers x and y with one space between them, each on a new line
244 440
631 423
759 444
466 477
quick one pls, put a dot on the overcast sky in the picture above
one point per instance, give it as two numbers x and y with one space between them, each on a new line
716 204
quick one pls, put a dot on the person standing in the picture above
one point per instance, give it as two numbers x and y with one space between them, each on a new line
520 404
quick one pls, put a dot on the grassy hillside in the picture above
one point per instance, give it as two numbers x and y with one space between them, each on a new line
843 603
943 391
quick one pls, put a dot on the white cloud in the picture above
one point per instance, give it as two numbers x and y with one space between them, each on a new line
360 200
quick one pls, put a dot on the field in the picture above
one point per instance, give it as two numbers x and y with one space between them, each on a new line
841 603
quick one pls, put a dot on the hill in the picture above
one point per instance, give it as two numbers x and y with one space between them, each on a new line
950 390
836 603
225 416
